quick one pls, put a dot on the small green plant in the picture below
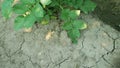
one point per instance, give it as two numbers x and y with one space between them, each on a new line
30 11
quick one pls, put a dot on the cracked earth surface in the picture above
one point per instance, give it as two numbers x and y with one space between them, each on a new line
98 47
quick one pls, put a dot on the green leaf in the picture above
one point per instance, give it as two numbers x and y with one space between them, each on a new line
65 14
29 21
7 8
73 14
67 26
47 17
38 10
28 1
54 3
74 34
79 24
24 22
19 22
45 20
78 3
88 6
20 8
45 2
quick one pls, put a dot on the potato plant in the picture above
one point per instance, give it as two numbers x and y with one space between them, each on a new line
30 11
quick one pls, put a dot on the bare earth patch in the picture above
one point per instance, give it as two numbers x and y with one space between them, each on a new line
98 47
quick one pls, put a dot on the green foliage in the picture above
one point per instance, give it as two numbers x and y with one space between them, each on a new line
30 11
88 6
7 8
45 2
73 29
37 10
20 8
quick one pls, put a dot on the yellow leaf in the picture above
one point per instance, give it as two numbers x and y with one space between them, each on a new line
77 12
15 2
84 26
44 22
49 35
28 30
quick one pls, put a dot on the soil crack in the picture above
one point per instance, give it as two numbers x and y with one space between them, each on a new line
64 60
21 45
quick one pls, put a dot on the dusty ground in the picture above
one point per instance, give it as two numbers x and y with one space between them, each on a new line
98 47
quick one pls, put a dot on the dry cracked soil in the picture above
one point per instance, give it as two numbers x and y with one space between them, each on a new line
98 46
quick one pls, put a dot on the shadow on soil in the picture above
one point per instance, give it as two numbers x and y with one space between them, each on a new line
116 62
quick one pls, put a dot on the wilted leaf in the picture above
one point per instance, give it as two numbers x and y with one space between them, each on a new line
15 2
49 35
28 29
44 22
77 12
